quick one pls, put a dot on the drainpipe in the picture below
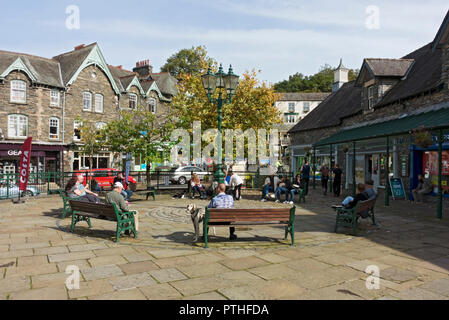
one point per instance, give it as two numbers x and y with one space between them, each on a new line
387 173
353 170
440 173
63 129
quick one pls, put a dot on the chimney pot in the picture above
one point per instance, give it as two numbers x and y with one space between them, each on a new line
81 46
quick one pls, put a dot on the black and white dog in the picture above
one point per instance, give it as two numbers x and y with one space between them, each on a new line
197 215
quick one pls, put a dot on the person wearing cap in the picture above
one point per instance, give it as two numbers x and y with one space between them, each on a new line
126 193
115 196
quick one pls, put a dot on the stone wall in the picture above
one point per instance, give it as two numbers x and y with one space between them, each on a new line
37 108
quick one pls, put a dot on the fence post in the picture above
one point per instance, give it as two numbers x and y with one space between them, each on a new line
7 186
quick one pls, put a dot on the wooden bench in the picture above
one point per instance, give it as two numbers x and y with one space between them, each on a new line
67 209
150 191
84 211
350 217
251 217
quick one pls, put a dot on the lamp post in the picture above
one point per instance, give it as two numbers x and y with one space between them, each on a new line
220 81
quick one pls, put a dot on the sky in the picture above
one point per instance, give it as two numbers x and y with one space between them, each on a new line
277 37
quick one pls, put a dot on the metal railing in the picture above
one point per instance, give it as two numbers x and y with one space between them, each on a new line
45 183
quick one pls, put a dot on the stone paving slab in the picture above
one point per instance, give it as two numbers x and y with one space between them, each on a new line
409 248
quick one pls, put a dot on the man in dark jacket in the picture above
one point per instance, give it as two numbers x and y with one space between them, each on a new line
305 175
125 193
360 196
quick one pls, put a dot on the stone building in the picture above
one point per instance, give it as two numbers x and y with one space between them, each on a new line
365 125
46 99
294 107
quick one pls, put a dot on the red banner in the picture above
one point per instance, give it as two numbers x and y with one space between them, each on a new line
25 162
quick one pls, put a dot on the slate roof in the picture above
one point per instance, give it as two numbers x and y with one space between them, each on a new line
302 96
166 83
341 104
46 71
424 75
389 67
71 61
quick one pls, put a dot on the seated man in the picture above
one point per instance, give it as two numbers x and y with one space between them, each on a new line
297 187
115 196
360 196
223 201
271 184
369 186
423 188
284 187
125 193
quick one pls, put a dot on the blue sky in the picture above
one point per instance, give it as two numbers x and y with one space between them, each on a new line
278 37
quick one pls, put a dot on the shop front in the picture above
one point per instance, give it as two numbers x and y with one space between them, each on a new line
425 161
44 158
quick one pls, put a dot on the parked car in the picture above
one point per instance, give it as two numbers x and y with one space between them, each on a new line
183 174
31 191
103 177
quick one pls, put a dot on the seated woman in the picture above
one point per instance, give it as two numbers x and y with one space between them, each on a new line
297 186
76 189
196 185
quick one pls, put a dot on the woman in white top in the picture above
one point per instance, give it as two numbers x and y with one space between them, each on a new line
236 184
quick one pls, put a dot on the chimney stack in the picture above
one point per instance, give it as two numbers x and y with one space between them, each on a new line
143 68
81 46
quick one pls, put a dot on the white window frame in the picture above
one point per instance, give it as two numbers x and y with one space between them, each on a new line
19 120
87 97
76 125
152 105
100 125
291 107
370 97
306 108
99 103
55 98
18 86
132 97
54 136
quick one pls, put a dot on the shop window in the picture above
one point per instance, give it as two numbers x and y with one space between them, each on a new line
87 101
132 101
431 168
54 128
17 126
99 103
152 105
54 98
18 91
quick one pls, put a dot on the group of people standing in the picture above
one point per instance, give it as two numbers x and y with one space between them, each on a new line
326 173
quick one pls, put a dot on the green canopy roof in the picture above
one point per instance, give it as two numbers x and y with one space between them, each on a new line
434 119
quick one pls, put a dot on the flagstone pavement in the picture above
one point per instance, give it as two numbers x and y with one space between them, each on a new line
410 247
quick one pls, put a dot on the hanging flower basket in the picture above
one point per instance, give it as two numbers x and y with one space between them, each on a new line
345 148
422 138
308 150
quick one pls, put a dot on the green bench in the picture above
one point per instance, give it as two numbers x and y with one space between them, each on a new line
84 211
350 217
150 191
66 210
251 217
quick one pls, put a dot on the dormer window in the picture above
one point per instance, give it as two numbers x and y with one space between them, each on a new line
152 105
306 107
18 91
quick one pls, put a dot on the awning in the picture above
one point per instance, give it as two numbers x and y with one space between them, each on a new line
438 119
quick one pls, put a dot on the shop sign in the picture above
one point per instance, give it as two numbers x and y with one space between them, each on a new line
14 153
397 189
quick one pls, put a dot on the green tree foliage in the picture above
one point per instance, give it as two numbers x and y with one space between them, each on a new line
140 133
320 82
187 61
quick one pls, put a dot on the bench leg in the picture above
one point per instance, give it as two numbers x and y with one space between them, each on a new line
89 223
148 195
205 232
336 224
286 232
292 233
73 221
154 196
354 226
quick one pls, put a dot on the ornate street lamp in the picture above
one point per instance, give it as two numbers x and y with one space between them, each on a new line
221 81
